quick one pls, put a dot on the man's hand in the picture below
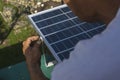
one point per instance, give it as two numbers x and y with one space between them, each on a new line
32 54
31 50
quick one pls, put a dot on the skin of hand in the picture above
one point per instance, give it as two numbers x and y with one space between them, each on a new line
32 53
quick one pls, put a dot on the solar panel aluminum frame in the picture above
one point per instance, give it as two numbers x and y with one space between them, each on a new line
41 34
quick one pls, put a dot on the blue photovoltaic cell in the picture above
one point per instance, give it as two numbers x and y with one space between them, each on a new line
65 9
42 24
51 21
70 15
45 16
77 21
68 44
58 47
75 30
65 54
96 31
52 38
63 30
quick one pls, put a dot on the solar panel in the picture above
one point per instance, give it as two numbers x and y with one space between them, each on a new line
61 30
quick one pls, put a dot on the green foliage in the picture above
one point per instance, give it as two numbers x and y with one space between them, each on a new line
11 51
14 10
14 13
3 28
1 5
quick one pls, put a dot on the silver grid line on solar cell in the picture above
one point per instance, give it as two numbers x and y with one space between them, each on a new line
61 30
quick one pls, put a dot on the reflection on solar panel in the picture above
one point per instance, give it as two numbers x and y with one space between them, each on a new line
61 30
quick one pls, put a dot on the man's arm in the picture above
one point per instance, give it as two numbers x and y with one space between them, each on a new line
35 72
32 55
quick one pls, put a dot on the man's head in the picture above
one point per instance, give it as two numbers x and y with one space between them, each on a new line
94 10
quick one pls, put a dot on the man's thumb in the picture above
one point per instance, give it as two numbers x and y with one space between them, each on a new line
37 44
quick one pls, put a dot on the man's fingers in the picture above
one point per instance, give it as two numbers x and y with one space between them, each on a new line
26 44
33 38
24 49
30 40
27 51
36 45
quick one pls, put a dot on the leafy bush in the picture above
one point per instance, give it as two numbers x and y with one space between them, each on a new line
3 28
1 5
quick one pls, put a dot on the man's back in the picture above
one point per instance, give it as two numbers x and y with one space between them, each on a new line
94 59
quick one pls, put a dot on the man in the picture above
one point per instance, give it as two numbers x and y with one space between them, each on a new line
94 59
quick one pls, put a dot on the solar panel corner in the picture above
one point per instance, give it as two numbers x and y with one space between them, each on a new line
46 42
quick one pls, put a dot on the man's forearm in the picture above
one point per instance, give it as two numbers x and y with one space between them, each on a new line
35 72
